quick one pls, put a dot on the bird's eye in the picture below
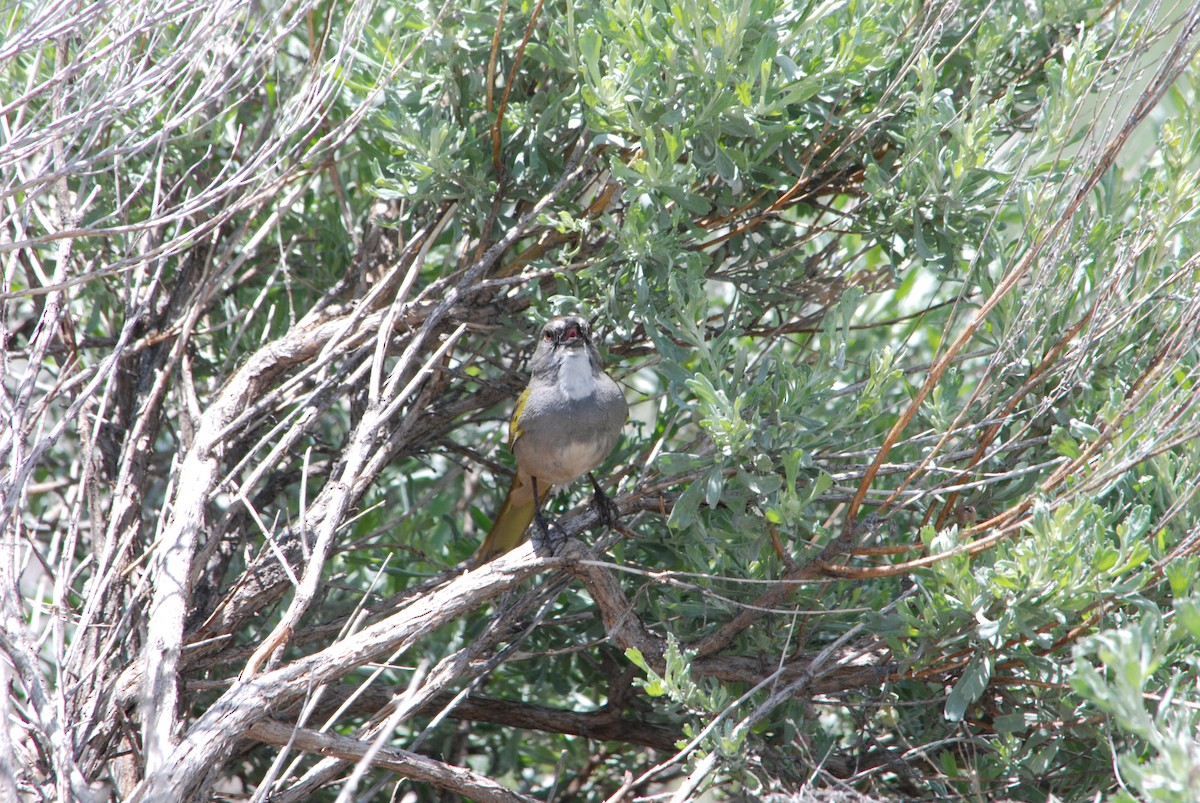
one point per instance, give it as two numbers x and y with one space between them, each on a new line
547 334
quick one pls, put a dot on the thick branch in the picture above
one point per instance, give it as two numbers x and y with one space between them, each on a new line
411 765
211 740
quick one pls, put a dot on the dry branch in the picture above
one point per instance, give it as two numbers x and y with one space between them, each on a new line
461 781
207 743
249 408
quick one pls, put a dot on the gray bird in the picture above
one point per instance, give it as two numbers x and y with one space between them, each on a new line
566 422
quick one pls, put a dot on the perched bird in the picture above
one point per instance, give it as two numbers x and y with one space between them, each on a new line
566 422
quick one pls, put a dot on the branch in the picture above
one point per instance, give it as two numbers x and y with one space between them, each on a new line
604 724
201 754
411 765
176 549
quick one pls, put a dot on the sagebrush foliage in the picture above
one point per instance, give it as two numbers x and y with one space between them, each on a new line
903 296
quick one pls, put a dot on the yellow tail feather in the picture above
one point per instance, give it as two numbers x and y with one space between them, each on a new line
508 529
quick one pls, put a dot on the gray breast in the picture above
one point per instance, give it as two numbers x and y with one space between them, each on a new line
564 438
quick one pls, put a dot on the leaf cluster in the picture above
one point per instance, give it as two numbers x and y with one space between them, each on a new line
903 297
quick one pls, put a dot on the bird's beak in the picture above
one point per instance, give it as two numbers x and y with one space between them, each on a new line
572 336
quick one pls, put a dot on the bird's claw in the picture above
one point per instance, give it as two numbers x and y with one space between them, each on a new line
548 537
606 509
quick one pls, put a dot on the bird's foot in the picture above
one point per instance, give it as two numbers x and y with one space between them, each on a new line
548 536
603 504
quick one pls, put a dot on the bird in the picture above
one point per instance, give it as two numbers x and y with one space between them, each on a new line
565 423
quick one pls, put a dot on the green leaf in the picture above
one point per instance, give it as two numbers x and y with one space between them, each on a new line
681 463
714 486
970 686
1010 723
636 657
683 514
1187 614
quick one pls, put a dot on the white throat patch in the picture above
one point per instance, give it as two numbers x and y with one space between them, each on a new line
575 377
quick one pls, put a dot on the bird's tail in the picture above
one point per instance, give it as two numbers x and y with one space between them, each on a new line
508 529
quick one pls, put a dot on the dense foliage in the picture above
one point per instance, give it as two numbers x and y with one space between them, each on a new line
904 298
